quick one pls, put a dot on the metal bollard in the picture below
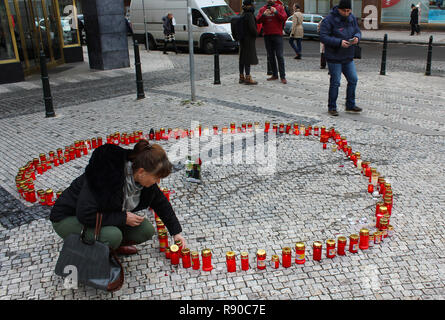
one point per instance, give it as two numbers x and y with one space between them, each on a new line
216 54
428 59
137 64
383 65
49 109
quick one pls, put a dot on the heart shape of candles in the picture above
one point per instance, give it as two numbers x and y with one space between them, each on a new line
376 183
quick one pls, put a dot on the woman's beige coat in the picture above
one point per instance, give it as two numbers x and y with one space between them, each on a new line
297 25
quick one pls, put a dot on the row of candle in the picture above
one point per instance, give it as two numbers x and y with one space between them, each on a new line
190 259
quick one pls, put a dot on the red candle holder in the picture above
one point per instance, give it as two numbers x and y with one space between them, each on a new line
324 146
266 126
353 243
163 240
322 130
42 197
288 127
390 230
261 259
244 261
370 188
230 261
377 237
341 245
384 227
215 130
195 260
167 253
317 247
281 130
371 240
275 128
316 131
330 248
286 257
300 251
232 127
275 261
382 212
174 254
206 260
186 260
364 239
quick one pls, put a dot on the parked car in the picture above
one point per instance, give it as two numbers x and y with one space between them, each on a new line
310 23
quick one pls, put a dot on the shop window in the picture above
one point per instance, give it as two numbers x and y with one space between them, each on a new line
70 22
7 51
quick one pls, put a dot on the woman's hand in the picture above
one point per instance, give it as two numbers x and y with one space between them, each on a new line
177 237
133 220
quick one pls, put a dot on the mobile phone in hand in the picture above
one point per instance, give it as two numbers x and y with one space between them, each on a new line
351 40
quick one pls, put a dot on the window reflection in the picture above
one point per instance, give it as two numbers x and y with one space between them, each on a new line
69 22
6 43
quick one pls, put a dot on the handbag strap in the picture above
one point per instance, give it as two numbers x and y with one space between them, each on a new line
97 228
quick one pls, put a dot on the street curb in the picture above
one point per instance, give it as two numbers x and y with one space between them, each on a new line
403 41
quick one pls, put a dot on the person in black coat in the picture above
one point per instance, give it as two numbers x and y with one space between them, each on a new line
118 182
169 32
247 51
414 22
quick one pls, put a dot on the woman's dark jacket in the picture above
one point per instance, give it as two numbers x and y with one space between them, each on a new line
335 28
414 16
167 23
247 44
101 189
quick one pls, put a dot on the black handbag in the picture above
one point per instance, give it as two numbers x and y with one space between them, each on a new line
357 52
96 264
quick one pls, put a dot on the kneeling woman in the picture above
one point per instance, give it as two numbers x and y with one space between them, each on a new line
116 183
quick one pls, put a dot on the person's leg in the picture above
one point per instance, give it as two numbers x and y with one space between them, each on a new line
138 234
241 72
165 46
109 235
174 46
247 69
350 73
334 84
292 44
413 28
268 41
280 57
299 46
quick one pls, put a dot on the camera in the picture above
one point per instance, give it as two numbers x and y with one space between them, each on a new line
269 6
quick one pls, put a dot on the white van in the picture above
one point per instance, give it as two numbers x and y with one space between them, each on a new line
209 18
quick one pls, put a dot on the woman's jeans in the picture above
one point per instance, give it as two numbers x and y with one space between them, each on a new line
335 70
112 236
297 48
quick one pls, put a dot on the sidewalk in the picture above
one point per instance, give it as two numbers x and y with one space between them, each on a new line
402 36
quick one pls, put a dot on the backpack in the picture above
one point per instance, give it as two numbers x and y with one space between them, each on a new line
237 26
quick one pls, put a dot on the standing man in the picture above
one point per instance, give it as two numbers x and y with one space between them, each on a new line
414 22
339 32
273 17
297 31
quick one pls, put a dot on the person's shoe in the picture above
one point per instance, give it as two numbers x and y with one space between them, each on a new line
354 110
127 250
298 57
272 78
333 113
322 67
283 81
165 53
241 78
249 80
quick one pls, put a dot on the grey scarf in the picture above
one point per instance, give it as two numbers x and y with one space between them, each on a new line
132 189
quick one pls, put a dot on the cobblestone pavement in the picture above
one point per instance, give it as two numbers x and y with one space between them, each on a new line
313 194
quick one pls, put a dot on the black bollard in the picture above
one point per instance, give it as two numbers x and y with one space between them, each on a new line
383 65
137 64
49 109
217 72
430 55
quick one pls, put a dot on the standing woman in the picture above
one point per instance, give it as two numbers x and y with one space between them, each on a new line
247 51
118 182
169 32
297 31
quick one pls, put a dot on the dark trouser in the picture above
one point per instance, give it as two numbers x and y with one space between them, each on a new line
244 68
173 42
109 235
322 60
415 28
335 70
297 48
274 47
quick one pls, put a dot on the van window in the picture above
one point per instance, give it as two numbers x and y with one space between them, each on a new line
219 14
307 18
196 15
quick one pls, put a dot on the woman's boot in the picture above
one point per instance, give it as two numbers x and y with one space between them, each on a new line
241 78
249 80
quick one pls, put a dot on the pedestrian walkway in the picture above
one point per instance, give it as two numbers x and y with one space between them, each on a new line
404 36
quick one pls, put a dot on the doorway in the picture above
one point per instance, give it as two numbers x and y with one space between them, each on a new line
36 26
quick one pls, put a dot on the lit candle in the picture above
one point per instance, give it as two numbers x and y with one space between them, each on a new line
261 259
206 260
230 261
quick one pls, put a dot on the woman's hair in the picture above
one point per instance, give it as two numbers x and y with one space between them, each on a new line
151 157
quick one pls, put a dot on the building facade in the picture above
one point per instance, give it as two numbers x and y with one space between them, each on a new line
29 26
389 11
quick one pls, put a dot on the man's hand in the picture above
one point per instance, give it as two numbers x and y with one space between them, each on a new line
133 220
273 9
354 42
177 237
345 44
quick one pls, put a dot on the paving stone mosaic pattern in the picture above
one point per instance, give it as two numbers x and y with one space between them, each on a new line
314 194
